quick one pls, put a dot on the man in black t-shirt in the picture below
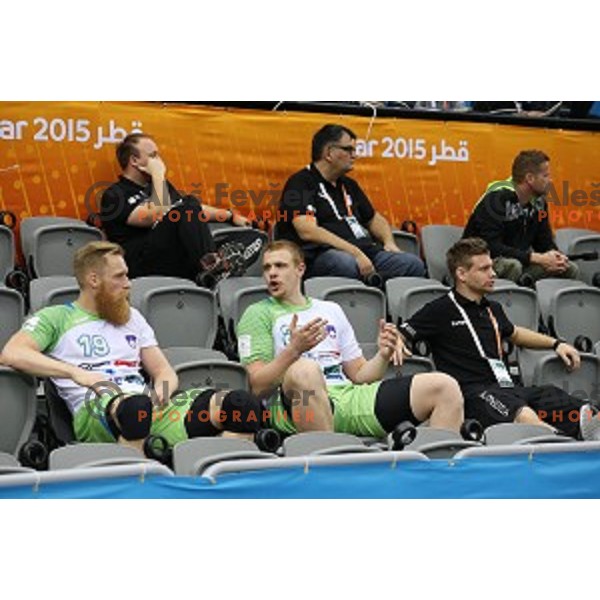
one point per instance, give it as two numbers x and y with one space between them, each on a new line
162 232
330 217
465 332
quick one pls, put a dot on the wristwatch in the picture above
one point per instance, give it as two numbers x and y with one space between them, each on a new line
557 343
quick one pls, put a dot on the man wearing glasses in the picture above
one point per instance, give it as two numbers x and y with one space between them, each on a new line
330 217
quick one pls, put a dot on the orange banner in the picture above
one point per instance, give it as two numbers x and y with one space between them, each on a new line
56 158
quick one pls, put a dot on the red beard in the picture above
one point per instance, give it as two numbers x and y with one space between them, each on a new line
113 308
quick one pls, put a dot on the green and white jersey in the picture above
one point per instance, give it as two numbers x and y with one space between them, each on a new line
264 331
70 334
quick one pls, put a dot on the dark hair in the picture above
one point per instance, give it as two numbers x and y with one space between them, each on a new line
291 247
528 161
463 251
328 134
128 148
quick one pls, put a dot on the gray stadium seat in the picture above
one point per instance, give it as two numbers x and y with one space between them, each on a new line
407 295
527 360
520 433
583 383
49 243
235 295
520 304
546 289
436 241
80 456
577 241
575 312
180 312
196 369
324 443
192 457
7 252
17 409
12 312
364 306
52 291
439 443
407 242
317 287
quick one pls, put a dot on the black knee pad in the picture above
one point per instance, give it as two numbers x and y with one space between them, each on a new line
241 412
197 423
134 417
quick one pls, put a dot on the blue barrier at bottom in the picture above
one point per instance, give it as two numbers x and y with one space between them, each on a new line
543 476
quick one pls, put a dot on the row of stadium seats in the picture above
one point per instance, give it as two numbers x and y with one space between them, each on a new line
183 314
48 245
213 457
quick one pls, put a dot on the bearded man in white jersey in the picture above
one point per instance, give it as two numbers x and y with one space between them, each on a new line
302 353
93 350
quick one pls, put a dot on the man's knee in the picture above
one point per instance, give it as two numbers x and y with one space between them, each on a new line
336 263
440 388
304 370
132 416
508 268
407 265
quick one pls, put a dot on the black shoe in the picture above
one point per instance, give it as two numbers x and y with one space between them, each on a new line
267 440
227 261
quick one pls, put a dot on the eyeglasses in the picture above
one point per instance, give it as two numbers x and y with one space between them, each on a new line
348 149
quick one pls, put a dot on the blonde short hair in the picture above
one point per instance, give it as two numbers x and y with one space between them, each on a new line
92 256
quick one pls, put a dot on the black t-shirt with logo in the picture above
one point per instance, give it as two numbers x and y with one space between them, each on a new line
309 193
453 349
117 204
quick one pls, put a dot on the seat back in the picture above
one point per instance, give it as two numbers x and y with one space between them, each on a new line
12 312
587 268
303 444
407 295
364 306
575 311
84 455
181 313
407 242
546 289
520 305
18 404
49 244
436 241
583 383
52 291
7 252
517 433
192 456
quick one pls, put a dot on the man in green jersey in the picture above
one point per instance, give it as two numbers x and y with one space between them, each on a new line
94 349
303 354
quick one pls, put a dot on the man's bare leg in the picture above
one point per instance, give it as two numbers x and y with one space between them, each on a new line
437 397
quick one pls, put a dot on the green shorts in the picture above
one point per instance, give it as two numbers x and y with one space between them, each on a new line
353 411
91 426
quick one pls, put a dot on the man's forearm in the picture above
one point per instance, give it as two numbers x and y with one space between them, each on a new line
264 380
380 229
372 370
532 339
319 235
35 363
